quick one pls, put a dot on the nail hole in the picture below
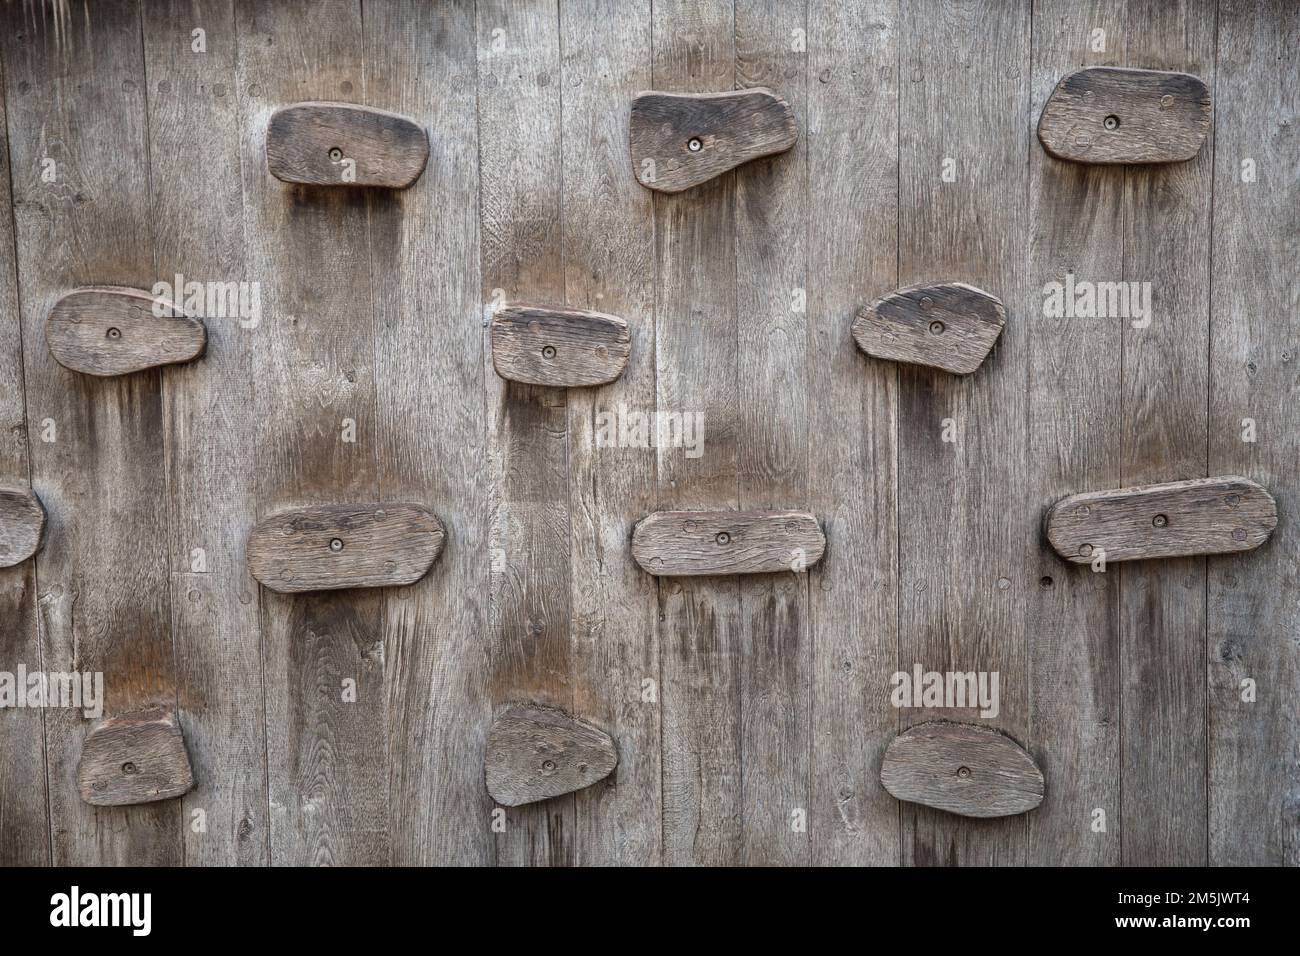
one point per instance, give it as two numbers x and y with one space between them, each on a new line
336 544
114 333
694 145
1160 521
1045 582
723 538
129 768
548 352
336 154
936 328
1111 122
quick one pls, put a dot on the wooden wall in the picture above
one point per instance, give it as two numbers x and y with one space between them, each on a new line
751 713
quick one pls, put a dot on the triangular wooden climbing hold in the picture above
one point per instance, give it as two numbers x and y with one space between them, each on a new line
341 144
949 325
22 521
134 758
564 348
681 543
111 330
535 753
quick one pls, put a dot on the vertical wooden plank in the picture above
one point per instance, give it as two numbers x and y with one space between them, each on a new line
199 235
75 96
327 754
421 62
609 267
521 258
1164 393
1074 444
772 440
696 371
24 808
1254 746
853 426
964 567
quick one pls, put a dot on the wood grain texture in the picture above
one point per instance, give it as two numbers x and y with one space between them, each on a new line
685 543
964 769
559 348
1175 519
536 753
948 325
134 758
341 144
114 331
1111 115
1253 748
22 523
333 547
681 140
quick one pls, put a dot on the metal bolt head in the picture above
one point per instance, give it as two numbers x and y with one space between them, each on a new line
548 352
548 766
963 772
129 768
694 145
1085 549
114 333
336 154
937 328
336 544
1160 521
1111 122
723 538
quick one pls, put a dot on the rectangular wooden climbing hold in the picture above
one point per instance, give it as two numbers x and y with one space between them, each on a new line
134 758
22 521
680 543
535 753
341 144
962 768
1202 516
109 330
680 140
564 348
344 546
1110 115
950 326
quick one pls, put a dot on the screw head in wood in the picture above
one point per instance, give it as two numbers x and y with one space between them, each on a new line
114 333
1085 549
1111 122
937 328
548 766
336 154
129 768
723 538
548 352
1160 521
336 545
963 772
694 145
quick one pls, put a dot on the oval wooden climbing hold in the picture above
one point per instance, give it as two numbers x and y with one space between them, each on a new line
681 140
22 520
134 758
109 330
340 144
680 543
1179 518
962 768
535 753
344 546
1110 115
566 348
950 325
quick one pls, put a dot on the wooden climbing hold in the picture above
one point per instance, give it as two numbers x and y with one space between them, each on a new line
1111 115
535 753
340 144
681 140
134 758
565 348
680 543
1179 518
962 768
22 520
110 330
950 325
344 546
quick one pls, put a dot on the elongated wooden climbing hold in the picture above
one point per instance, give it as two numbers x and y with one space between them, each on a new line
565 348
683 543
1179 518
1110 115
111 330
134 758
22 522
341 144
948 325
535 753
962 768
681 140
344 546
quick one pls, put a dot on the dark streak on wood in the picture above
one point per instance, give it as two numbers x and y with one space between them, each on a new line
535 753
949 325
110 330
134 758
679 543
312 143
22 521
563 348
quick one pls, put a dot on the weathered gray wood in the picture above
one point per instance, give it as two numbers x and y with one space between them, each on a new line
677 543
341 144
948 325
1253 747
963 566
964 769
1111 115
1175 519
22 523
560 348
78 147
852 257
314 405
332 547
536 753
681 140
134 758
1075 424
115 331
609 263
